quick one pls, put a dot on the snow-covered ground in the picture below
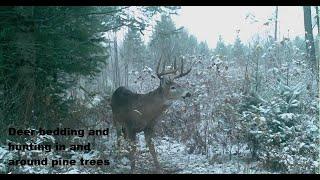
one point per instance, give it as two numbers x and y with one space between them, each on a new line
174 158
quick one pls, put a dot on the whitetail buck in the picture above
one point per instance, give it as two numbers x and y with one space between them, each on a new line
134 113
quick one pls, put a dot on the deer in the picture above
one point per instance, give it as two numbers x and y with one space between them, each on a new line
133 113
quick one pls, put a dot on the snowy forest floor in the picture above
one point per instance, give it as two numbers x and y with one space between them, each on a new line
174 158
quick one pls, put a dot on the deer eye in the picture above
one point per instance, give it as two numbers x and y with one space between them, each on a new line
172 87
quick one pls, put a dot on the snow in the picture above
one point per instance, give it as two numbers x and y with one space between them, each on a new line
174 157
286 116
73 171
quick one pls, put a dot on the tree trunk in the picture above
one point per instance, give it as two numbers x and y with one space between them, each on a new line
276 25
318 23
116 63
126 72
309 37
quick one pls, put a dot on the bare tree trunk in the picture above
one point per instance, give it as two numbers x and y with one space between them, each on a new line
276 25
113 66
318 39
126 72
257 79
318 23
309 36
116 63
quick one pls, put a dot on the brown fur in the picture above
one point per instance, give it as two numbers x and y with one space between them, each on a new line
134 113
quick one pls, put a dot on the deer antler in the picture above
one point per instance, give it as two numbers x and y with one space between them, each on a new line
163 72
181 71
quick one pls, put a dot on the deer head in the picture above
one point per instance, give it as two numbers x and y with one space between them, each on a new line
172 90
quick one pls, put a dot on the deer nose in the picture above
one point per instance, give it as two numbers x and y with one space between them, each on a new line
186 95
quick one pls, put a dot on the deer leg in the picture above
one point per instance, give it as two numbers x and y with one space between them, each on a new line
118 138
148 138
132 151
118 131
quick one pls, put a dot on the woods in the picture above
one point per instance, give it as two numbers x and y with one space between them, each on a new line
253 105
44 50
309 36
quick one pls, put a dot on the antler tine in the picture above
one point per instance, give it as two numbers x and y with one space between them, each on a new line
182 65
163 72
164 66
158 66
182 73
175 63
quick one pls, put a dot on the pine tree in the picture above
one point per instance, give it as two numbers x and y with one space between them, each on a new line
133 49
238 51
163 40
221 49
44 49
203 48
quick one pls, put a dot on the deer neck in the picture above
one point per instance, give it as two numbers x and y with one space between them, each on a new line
159 98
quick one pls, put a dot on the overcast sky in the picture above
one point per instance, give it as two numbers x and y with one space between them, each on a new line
207 23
